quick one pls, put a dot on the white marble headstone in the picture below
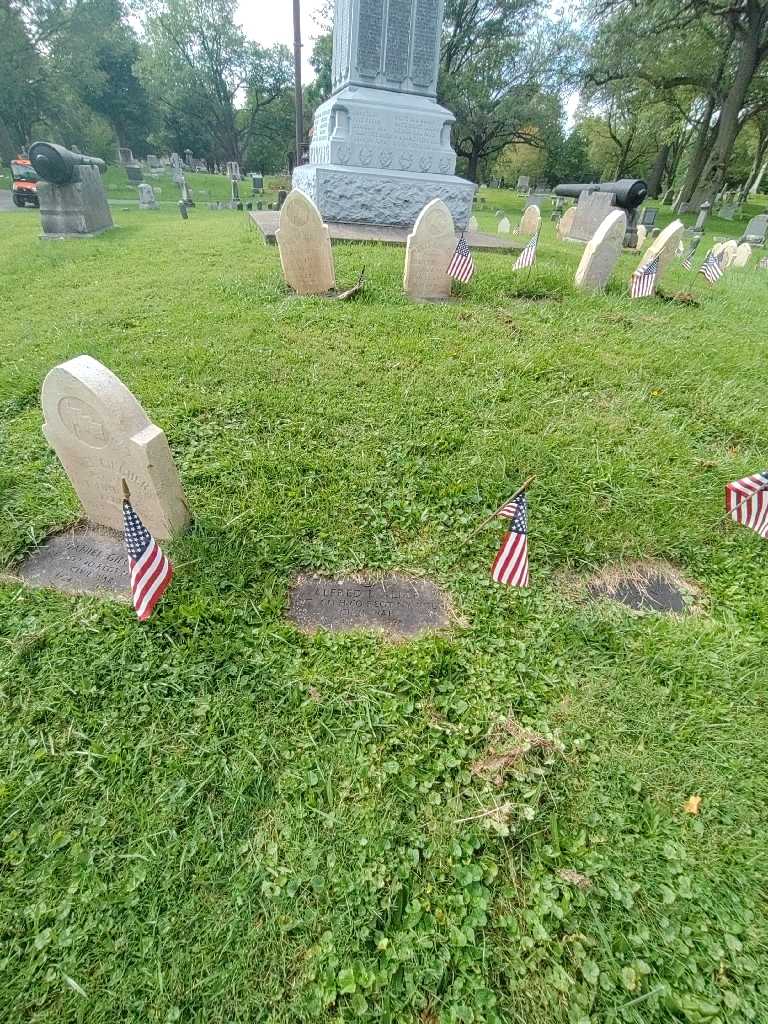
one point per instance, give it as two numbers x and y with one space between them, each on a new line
147 199
602 252
664 246
642 234
531 220
728 253
473 225
103 436
743 255
305 247
565 223
504 226
428 253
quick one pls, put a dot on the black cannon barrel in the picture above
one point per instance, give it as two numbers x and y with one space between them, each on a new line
628 192
56 164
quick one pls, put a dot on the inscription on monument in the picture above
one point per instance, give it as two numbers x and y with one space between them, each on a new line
425 37
369 37
401 606
398 37
417 131
83 560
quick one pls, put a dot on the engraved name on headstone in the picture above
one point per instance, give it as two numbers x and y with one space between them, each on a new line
83 560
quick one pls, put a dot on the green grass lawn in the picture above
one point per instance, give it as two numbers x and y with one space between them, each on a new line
213 818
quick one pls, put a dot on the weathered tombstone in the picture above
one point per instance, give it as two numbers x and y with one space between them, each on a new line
103 436
147 199
257 183
728 211
124 155
72 199
701 220
305 247
642 233
537 199
473 225
648 217
282 195
381 145
728 253
504 226
234 185
591 210
428 253
531 220
743 255
186 193
523 183
602 252
152 161
565 223
756 231
183 211
134 173
664 246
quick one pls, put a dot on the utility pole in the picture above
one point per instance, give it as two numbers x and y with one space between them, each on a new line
297 79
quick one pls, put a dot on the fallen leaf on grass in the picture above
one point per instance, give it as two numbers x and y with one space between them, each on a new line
692 804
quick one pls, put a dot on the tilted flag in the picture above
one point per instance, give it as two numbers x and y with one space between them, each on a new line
151 572
763 264
528 256
511 563
746 502
462 266
688 258
712 268
643 282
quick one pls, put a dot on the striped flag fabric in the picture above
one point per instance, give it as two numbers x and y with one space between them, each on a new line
688 258
462 266
511 563
746 502
528 256
712 268
643 282
151 572
763 264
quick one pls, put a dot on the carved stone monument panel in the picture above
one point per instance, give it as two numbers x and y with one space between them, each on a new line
602 253
102 435
428 253
305 247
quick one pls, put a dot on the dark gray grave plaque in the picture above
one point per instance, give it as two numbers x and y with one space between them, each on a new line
400 605
83 560
652 593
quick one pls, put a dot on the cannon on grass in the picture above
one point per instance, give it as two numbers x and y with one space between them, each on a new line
73 202
59 165
626 194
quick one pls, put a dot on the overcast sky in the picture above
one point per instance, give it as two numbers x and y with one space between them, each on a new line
271 21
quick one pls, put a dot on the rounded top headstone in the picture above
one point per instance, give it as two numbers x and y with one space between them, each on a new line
602 252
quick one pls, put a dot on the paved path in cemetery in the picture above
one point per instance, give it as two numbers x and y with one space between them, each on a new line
6 202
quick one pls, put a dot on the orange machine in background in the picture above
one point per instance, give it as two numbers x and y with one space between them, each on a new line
24 182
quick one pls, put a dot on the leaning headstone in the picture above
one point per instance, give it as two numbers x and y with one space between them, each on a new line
756 231
103 436
664 246
504 226
701 220
147 199
591 210
565 223
305 247
602 253
473 225
642 233
531 221
428 253
728 211
648 217
743 255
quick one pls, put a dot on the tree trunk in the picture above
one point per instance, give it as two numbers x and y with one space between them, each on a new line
758 164
698 157
474 162
713 177
657 171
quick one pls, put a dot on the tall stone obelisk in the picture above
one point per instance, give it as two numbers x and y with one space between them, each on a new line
381 145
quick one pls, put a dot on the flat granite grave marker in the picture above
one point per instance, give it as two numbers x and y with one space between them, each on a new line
305 247
84 560
602 253
103 436
428 253
399 605
647 588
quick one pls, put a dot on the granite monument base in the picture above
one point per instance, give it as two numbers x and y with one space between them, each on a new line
362 195
76 210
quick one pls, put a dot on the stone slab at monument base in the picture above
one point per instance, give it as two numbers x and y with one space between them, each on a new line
77 210
361 195
268 221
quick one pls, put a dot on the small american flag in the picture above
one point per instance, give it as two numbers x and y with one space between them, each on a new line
462 266
528 256
151 572
712 268
746 502
688 258
763 264
511 563
643 282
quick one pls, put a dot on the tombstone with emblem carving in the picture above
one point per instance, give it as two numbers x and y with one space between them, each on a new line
428 253
305 247
103 436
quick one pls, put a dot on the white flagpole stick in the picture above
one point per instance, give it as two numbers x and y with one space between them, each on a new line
492 516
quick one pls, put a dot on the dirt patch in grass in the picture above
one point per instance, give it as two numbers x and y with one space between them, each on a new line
643 587
509 743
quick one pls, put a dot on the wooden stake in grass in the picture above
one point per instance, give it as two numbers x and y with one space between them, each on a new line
493 515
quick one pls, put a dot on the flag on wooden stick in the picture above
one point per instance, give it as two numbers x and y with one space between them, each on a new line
712 268
688 258
151 572
746 502
643 282
528 256
511 563
462 266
